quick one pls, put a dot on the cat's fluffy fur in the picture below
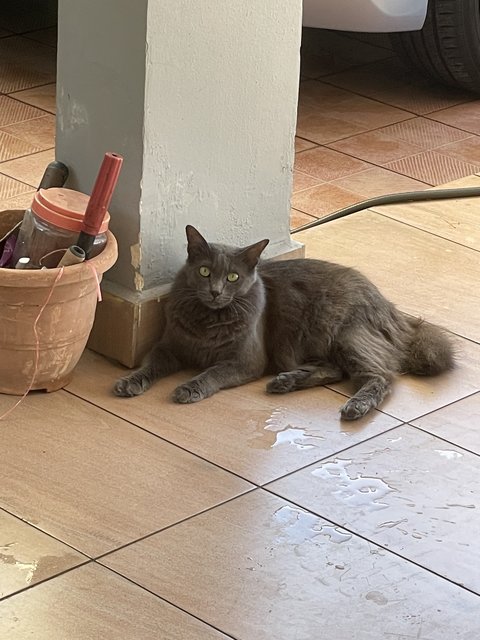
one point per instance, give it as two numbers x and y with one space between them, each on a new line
309 322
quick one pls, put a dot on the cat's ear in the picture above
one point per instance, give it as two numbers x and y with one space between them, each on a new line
197 245
251 255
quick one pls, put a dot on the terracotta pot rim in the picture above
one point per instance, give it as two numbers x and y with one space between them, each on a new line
73 273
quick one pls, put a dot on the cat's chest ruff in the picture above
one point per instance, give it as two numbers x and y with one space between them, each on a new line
223 326
203 342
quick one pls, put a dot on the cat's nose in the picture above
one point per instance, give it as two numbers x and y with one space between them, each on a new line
215 294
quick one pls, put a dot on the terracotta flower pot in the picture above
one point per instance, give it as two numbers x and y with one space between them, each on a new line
63 327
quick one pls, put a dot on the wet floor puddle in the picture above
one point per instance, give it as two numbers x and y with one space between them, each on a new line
359 491
297 526
280 431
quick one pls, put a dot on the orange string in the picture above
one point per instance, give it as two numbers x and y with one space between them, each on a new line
95 275
37 345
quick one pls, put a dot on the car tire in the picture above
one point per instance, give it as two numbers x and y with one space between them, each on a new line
448 46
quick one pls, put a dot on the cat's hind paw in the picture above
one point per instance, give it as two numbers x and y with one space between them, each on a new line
283 383
129 387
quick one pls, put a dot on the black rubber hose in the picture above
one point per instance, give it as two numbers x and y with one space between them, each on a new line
395 198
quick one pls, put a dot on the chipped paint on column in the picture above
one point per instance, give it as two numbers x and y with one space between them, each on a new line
136 259
139 282
73 114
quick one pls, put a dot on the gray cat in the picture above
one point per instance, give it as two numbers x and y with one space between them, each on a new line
309 322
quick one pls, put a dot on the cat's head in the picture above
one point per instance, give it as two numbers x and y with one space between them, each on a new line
219 274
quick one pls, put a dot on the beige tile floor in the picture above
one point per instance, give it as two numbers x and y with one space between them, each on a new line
249 516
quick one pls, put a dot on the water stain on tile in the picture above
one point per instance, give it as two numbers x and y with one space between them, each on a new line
298 526
356 490
37 570
279 430
449 454
415 497
335 534
295 526
377 597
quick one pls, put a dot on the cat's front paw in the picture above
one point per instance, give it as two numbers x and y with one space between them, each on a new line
189 392
354 409
283 383
129 387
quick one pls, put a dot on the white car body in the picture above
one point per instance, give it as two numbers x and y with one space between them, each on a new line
382 16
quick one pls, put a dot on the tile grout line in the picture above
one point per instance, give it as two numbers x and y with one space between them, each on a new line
413 226
43 113
52 577
32 188
162 438
430 116
137 584
12 96
368 162
20 122
95 558
34 153
42 531
23 155
174 524
2 169
28 36
435 435
11 93
353 36
343 138
423 231
22 33
469 134
354 67
387 104
422 150
120 575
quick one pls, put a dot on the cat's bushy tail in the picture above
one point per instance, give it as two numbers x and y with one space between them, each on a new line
430 350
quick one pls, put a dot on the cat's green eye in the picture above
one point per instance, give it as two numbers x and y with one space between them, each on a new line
232 277
204 271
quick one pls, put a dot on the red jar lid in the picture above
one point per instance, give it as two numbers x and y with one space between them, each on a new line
65 208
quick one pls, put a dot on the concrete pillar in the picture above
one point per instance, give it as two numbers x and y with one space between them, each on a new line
200 98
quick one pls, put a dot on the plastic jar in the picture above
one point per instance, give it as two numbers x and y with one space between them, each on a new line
53 223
